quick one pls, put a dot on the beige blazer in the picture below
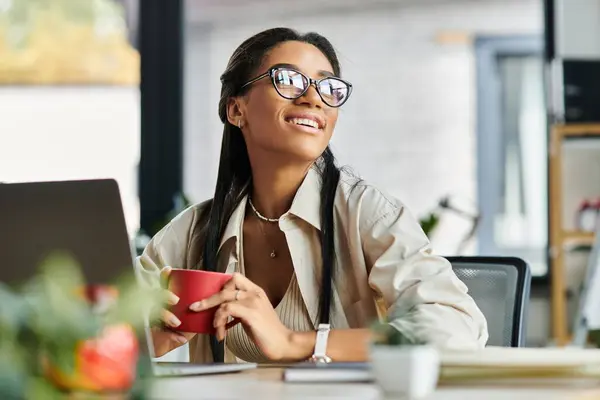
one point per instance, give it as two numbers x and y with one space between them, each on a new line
384 260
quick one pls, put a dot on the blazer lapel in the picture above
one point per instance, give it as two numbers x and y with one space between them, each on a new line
230 246
305 248
304 244
306 266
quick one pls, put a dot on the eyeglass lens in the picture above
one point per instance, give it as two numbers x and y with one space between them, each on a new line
292 84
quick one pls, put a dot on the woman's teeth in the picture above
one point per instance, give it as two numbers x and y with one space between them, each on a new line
305 121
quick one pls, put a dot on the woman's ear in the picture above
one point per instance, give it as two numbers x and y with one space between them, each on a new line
235 114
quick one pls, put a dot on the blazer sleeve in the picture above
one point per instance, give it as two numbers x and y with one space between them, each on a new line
424 298
168 248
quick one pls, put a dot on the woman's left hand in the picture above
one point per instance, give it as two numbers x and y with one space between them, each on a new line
248 303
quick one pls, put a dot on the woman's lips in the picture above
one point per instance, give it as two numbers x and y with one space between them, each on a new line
304 122
306 119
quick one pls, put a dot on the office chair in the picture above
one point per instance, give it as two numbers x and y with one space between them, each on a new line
500 286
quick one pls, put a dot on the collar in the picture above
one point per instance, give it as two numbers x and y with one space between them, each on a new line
306 205
307 202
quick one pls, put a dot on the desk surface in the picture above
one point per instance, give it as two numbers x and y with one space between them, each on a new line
265 383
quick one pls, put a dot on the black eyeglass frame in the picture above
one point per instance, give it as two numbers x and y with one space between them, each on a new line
271 73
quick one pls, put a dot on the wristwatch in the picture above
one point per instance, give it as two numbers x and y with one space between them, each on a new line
320 354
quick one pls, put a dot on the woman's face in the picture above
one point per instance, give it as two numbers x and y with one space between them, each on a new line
274 124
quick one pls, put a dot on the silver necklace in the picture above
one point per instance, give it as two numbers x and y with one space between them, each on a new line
259 215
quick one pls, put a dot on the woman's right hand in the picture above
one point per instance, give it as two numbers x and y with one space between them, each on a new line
164 337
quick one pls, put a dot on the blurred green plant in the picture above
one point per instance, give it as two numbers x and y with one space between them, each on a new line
594 337
386 335
429 223
44 321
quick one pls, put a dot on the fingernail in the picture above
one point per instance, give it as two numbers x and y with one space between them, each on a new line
181 339
174 322
197 306
173 299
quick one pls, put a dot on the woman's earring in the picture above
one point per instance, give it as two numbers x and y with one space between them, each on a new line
240 124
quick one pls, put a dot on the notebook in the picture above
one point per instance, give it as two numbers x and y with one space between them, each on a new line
333 372
513 357
557 365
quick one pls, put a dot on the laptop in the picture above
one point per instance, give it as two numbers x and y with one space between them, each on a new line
84 218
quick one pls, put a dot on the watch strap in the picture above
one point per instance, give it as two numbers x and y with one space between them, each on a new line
320 353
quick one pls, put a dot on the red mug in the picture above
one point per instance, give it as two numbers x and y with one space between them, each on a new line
192 286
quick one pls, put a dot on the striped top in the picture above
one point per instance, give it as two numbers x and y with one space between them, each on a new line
291 311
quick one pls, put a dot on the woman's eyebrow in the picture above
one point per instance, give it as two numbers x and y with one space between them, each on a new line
285 65
326 73
294 66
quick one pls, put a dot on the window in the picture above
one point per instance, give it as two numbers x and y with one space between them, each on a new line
512 148
69 94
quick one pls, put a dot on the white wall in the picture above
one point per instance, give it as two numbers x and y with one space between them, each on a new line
72 132
418 127
577 28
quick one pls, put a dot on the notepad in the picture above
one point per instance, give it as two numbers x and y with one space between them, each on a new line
333 372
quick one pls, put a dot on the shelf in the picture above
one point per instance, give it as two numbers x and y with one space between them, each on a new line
578 130
578 237
563 137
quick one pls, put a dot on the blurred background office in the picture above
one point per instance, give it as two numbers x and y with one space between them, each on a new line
452 111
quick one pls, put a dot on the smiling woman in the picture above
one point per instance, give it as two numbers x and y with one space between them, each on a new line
316 254
272 121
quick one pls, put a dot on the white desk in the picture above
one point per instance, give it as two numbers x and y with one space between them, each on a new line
266 384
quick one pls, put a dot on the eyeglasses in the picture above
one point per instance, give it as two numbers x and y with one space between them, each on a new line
292 84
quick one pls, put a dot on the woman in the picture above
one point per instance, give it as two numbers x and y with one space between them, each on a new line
310 246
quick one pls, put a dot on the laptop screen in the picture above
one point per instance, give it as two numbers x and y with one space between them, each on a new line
82 218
